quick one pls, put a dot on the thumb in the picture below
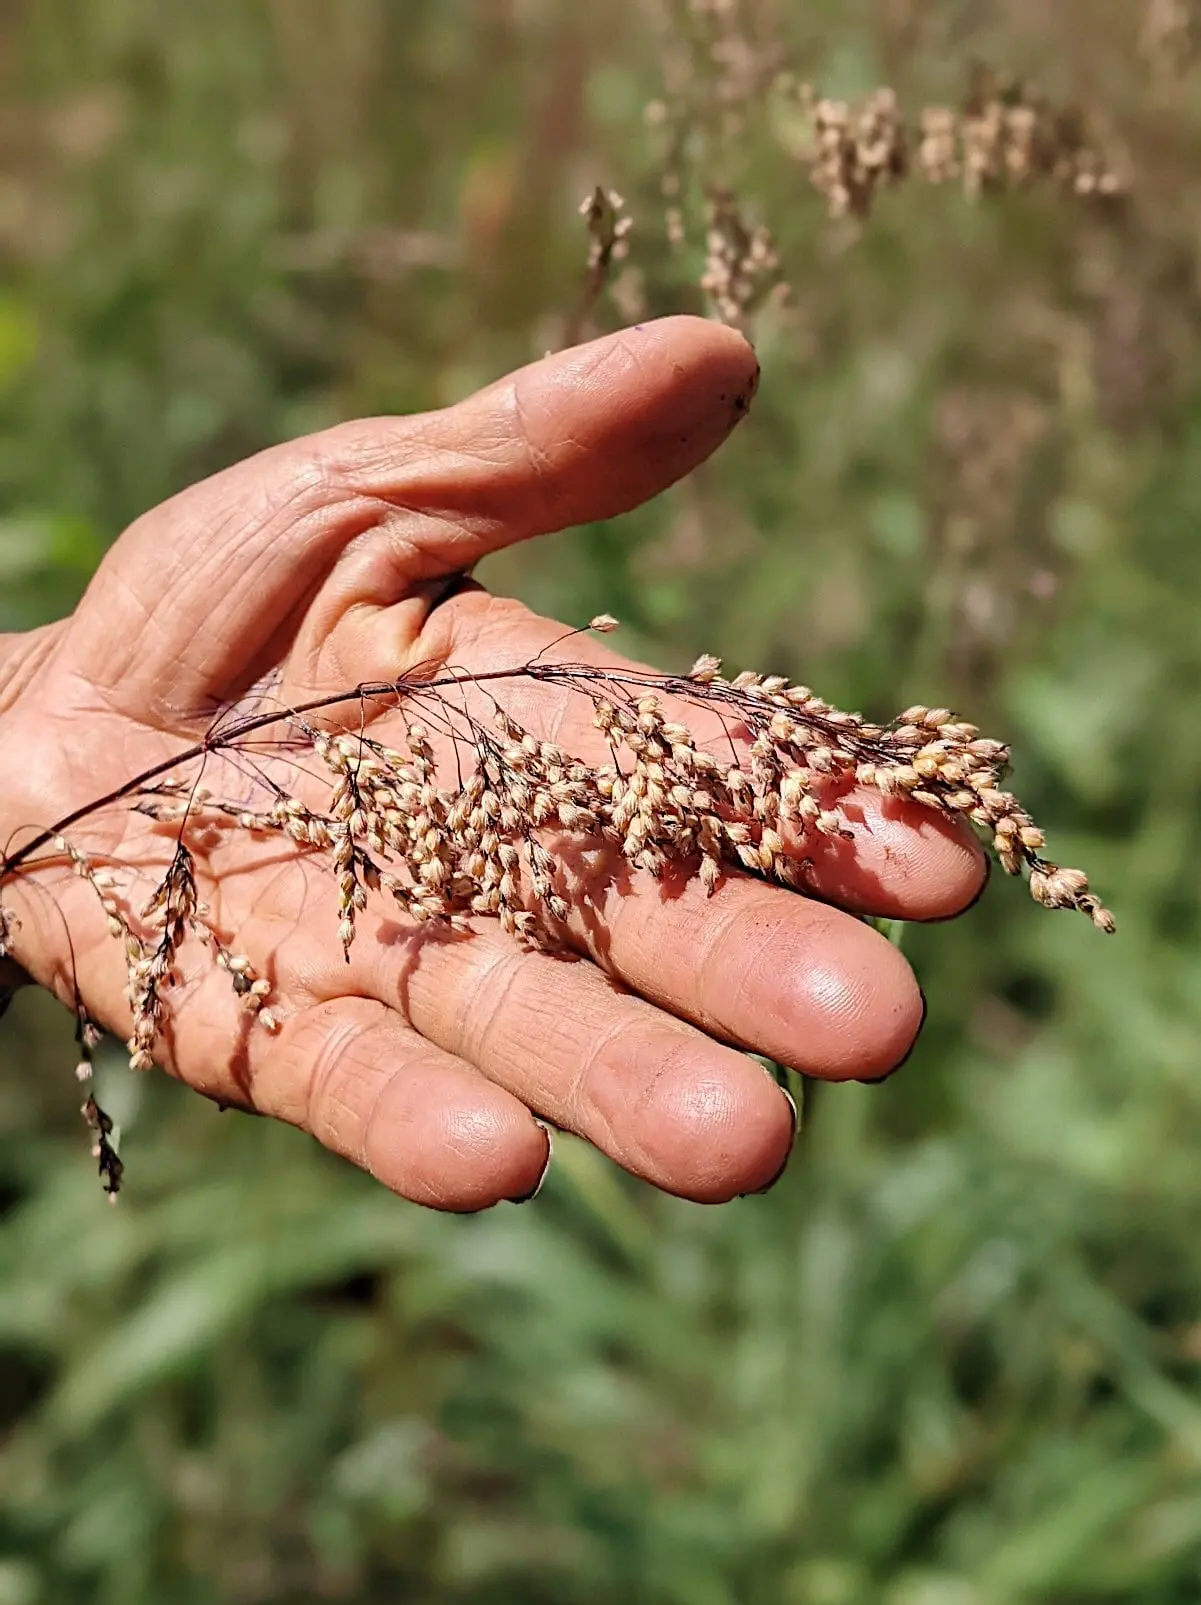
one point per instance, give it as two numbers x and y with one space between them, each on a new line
201 595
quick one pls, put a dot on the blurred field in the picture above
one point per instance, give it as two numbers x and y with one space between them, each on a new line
954 1358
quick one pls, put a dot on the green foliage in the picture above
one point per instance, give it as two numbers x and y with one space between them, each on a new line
953 1358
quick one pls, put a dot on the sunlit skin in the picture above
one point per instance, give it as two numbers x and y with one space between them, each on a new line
323 564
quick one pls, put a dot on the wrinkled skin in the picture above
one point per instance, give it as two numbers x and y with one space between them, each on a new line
322 564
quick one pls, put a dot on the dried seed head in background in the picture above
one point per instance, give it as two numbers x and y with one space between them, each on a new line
1010 137
720 76
609 229
742 265
1002 137
856 152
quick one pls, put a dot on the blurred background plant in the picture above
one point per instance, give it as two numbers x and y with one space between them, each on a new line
953 1359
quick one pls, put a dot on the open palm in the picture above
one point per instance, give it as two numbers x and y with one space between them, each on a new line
323 564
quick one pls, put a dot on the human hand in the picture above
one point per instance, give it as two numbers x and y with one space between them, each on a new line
319 565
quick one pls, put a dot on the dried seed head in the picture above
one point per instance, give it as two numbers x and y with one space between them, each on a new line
471 817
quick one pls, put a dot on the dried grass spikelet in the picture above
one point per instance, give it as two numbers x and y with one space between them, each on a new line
608 226
724 66
938 155
1005 137
1002 137
742 265
856 151
475 816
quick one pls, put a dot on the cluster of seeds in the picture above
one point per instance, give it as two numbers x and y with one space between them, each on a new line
1005 137
1001 137
476 816
604 214
608 226
153 939
742 265
857 151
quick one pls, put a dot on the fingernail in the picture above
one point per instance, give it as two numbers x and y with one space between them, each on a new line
528 1198
876 1081
757 1192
